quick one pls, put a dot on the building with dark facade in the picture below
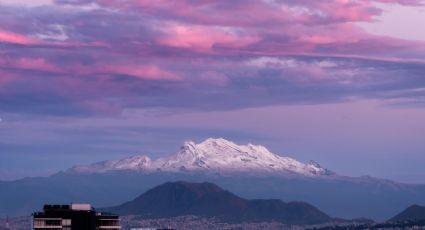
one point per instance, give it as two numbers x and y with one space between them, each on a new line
74 217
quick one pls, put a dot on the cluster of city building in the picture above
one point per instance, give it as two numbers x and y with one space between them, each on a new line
74 217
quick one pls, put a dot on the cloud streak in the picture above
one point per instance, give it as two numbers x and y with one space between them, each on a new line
12 38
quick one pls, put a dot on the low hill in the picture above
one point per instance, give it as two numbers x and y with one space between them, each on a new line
412 213
207 199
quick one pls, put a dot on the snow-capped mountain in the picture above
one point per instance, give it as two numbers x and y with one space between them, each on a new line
251 171
212 156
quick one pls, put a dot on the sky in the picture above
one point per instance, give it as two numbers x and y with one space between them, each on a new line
341 82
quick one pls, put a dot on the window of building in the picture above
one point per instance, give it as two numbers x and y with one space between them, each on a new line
66 222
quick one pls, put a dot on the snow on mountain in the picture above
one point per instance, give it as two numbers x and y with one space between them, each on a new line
131 163
214 156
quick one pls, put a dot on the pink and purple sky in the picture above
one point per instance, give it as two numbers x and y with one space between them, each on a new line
341 82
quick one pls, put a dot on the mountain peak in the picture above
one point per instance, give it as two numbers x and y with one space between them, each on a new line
218 140
189 143
216 143
188 146
214 155
223 144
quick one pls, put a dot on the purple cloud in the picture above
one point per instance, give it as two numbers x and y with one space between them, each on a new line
74 59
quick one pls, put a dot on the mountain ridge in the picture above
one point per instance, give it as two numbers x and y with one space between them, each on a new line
213 155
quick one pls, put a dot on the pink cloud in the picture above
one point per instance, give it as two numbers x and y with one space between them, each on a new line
264 27
148 72
145 71
32 64
203 38
37 64
318 39
402 2
9 37
257 13
171 41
